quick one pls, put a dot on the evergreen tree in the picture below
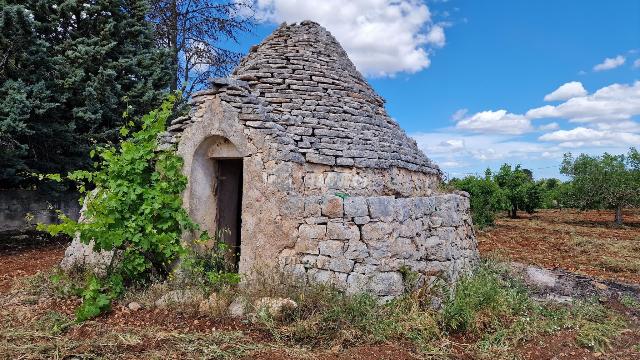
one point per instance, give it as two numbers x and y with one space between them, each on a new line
68 71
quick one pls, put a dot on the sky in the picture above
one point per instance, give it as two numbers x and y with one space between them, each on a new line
482 83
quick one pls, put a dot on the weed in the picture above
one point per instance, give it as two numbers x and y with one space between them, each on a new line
54 323
596 325
630 302
482 300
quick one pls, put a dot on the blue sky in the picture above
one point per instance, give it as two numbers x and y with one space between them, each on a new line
447 68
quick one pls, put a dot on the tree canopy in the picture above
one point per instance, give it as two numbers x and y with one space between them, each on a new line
195 33
520 191
69 69
607 181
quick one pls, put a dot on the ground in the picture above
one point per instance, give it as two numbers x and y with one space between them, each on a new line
585 242
38 326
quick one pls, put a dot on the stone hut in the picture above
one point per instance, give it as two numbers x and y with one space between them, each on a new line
295 155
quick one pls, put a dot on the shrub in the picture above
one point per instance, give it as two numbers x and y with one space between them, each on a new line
135 211
486 198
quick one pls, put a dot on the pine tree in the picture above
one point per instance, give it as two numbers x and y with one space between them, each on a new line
68 71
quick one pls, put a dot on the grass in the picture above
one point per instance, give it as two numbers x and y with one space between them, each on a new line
490 311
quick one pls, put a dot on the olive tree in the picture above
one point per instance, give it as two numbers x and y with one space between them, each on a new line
519 189
607 181
486 197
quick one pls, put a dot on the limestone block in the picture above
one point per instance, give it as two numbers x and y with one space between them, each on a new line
331 248
410 228
365 268
436 248
313 180
316 220
306 231
337 180
356 250
356 283
342 161
332 206
274 306
403 209
355 207
307 246
381 207
386 284
402 248
341 231
361 220
320 276
340 281
309 261
376 231
341 264
434 222
312 206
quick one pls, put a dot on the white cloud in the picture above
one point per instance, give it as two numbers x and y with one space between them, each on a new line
566 91
459 114
610 63
550 126
436 36
382 37
495 122
636 64
611 103
582 136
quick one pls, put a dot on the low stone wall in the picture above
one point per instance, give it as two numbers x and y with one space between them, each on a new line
21 210
365 243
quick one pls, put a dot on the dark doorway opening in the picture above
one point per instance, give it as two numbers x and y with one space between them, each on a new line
229 205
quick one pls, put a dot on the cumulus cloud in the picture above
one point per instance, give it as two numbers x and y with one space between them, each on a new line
436 36
566 91
495 122
610 63
464 150
382 37
582 136
550 126
611 103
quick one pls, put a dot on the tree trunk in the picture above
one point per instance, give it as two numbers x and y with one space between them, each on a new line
513 212
619 215
175 51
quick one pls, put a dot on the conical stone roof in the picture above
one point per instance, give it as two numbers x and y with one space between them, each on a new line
331 113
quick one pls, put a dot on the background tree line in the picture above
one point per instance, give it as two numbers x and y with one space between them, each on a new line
594 182
69 69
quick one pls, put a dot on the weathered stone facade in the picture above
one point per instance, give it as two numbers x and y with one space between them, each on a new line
333 190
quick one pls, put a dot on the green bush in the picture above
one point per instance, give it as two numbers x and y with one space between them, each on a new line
486 198
135 211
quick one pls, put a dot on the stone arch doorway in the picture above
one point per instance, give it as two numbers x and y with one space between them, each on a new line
215 199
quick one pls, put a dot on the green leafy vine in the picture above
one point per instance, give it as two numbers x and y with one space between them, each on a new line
135 211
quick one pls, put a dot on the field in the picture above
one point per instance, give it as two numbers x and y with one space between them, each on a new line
583 242
503 323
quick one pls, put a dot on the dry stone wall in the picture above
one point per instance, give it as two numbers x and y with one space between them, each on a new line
365 243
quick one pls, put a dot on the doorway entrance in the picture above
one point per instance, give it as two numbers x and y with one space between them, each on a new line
229 205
